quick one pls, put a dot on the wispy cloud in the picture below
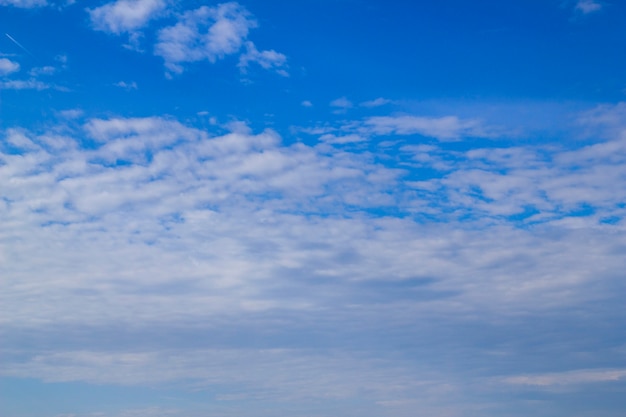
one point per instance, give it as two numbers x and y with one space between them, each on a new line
45 70
25 4
341 105
71 113
25 85
380 101
588 6
442 128
587 376
127 86
341 102
266 59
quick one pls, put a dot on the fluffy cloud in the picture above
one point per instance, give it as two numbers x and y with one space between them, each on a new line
207 33
125 15
7 66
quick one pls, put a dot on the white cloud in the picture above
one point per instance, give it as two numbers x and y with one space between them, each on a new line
127 86
442 128
143 171
306 103
25 85
26 4
341 102
45 70
125 15
207 33
586 376
71 113
159 225
588 6
7 66
62 59
604 121
376 102
266 59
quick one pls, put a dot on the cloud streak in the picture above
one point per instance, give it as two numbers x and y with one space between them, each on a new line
442 128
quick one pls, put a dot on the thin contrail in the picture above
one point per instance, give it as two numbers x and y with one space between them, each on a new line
19 44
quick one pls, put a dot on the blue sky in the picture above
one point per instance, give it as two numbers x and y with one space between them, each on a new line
313 208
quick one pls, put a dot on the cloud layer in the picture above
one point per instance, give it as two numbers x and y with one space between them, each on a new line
276 271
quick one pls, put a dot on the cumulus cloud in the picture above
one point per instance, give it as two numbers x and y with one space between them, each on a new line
125 15
207 33
7 66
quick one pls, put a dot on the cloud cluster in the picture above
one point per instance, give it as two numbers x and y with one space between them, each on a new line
207 33
37 75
